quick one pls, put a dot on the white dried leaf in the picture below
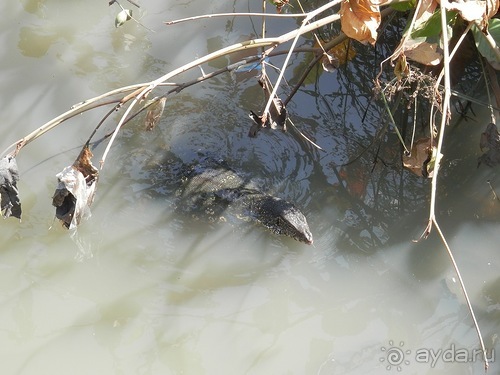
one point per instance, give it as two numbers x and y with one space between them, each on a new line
73 197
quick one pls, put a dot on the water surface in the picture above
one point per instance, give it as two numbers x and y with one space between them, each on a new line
143 290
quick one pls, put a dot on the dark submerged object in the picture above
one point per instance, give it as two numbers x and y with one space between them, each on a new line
214 187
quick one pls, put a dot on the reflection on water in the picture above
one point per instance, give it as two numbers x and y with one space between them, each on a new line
143 290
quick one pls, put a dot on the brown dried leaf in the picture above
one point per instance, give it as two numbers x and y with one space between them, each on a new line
401 69
155 111
360 20
84 165
277 115
419 157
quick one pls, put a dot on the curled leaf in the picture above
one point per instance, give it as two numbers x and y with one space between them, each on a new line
154 113
9 195
122 17
75 190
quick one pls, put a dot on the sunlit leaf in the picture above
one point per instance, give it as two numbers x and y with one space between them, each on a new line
122 17
492 7
423 52
9 195
360 20
85 166
154 113
470 10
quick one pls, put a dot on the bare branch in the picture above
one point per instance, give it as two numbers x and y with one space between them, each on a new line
205 16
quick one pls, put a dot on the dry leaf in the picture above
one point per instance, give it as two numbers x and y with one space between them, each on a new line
9 195
423 52
75 190
360 20
84 165
277 115
419 157
401 69
154 113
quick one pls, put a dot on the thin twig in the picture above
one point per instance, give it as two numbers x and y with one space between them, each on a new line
393 123
74 111
432 213
304 136
250 44
304 25
466 296
280 15
87 104
495 196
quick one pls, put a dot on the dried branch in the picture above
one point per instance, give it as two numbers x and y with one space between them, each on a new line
250 14
444 121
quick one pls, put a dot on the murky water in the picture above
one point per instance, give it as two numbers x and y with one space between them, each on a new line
143 290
